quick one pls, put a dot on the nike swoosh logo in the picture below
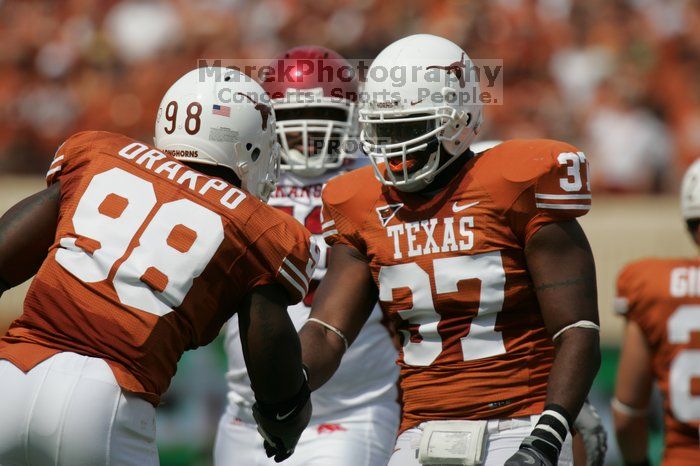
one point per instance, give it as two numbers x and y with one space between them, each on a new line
282 418
459 208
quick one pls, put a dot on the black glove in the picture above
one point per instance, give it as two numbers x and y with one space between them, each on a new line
589 425
281 424
527 456
543 446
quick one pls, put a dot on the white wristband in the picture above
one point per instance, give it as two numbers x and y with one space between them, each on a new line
332 329
627 410
579 324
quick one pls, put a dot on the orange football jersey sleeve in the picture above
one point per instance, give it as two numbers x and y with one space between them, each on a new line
151 258
288 258
628 289
552 180
70 157
345 208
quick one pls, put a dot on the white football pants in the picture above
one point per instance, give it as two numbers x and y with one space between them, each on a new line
503 438
69 411
364 437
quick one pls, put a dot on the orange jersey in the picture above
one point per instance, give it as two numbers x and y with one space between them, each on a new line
150 259
662 296
452 274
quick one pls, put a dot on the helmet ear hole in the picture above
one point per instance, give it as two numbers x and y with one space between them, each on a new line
255 154
248 146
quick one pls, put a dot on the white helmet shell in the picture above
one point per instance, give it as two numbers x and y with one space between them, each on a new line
690 192
438 89
219 116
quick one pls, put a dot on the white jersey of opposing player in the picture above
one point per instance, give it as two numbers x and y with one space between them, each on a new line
368 372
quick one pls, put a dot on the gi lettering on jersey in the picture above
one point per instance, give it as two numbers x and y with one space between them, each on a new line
662 296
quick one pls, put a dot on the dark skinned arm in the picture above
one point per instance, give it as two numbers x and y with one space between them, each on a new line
273 357
270 344
27 231
561 265
633 389
344 299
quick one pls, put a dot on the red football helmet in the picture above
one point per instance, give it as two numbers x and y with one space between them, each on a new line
314 92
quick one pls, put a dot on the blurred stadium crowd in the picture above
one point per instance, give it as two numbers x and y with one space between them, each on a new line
615 77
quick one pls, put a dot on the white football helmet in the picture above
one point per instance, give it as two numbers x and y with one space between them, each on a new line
690 192
219 116
409 124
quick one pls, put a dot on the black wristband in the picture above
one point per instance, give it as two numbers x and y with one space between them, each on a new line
551 430
561 410
282 410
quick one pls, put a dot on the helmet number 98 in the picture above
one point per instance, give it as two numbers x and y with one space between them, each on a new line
193 120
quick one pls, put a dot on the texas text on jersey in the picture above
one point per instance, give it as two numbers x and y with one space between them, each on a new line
149 260
451 272
662 296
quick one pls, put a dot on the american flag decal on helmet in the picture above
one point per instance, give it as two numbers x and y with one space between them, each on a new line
222 110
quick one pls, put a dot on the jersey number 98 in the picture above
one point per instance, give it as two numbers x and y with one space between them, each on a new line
156 260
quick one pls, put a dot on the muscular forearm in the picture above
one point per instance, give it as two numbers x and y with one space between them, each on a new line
272 353
632 437
633 388
275 363
575 366
343 302
322 351
271 350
